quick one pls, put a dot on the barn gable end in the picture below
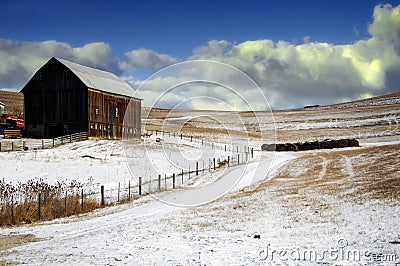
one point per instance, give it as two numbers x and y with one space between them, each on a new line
63 98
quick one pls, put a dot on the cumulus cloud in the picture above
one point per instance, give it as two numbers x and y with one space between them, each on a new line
19 60
149 59
386 24
289 74
292 75
213 49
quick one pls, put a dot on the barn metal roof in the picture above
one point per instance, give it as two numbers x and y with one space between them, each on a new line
98 79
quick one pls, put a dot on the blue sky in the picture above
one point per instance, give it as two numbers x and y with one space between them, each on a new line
135 38
178 27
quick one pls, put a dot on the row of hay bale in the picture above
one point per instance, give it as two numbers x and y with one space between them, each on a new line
313 145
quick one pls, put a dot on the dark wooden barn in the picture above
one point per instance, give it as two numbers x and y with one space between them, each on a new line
63 98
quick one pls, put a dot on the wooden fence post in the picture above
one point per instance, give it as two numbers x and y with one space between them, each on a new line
191 138
181 135
228 159
252 153
238 158
12 209
159 182
140 184
129 190
173 181
82 199
12 145
119 188
214 162
102 195
39 207
197 168
65 201
42 144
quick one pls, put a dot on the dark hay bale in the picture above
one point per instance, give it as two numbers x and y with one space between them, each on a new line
281 147
315 145
292 147
307 146
334 143
342 143
268 147
354 143
324 144
299 146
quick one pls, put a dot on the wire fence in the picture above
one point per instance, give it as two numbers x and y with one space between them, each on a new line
21 145
36 200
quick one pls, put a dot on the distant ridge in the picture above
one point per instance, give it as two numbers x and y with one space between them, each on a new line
386 99
14 102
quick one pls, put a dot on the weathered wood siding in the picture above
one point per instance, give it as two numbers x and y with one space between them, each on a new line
106 115
55 102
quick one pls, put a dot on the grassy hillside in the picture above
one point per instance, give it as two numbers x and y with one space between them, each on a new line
14 102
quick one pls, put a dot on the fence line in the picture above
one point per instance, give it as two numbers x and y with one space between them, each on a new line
122 192
20 145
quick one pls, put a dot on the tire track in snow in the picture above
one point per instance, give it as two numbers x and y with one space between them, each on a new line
348 167
324 164
60 242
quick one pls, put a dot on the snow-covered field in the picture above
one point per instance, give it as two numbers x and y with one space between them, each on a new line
324 207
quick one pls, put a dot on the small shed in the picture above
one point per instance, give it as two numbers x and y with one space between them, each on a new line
64 97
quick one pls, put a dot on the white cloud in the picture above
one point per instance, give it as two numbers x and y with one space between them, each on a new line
386 24
144 58
318 73
213 49
289 74
19 60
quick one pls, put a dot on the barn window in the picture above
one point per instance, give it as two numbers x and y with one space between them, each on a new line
91 126
97 111
134 131
116 112
95 126
101 127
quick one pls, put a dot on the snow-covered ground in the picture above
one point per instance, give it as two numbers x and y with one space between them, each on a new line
111 164
327 207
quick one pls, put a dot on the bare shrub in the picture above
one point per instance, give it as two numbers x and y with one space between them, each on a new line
20 203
